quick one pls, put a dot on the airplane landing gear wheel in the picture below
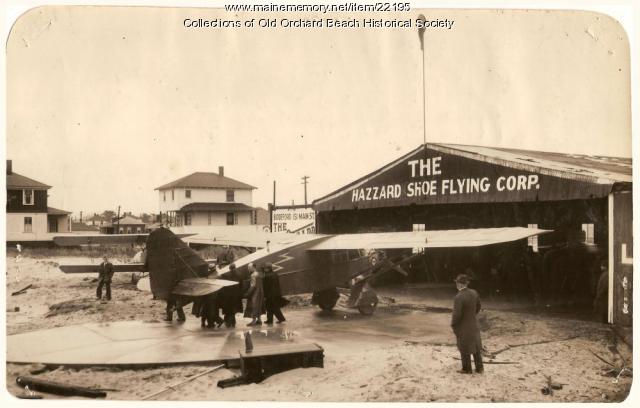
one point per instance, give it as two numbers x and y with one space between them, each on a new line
325 299
367 303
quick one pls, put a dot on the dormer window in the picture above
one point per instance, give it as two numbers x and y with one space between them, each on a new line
27 197
230 195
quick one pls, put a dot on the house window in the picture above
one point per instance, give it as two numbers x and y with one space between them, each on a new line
230 195
209 217
230 219
173 196
128 230
187 218
164 196
187 193
121 231
533 241
589 237
28 224
27 197
138 230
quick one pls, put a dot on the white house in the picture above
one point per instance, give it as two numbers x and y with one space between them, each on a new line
206 199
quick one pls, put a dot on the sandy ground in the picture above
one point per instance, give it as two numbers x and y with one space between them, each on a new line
371 368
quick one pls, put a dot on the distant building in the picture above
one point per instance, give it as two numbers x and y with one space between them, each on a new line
206 199
261 216
97 220
82 227
127 224
28 216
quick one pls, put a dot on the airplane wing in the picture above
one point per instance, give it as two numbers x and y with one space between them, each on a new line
426 239
200 286
103 239
244 238
89 268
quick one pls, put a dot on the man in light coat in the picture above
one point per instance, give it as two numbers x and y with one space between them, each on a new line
464 323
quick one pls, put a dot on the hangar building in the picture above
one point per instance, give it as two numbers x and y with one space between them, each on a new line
585 200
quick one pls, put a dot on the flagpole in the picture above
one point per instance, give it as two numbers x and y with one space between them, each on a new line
424 84
424 104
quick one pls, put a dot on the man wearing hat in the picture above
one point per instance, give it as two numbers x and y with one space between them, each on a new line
466 306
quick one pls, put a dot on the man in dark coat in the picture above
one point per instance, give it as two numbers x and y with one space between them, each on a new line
272 294
466 306
104 278
231 298
600 302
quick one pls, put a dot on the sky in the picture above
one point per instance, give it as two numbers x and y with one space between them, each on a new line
107 103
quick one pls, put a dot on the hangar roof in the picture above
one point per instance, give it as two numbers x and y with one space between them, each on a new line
599 169
459 179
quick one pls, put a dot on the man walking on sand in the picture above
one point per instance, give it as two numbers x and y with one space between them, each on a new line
464 323
104 278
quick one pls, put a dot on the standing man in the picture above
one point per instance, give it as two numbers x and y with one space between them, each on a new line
232 297
464 323
272 295
104 278
600 303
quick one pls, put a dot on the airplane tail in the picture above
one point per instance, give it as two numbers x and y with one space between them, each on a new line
171 260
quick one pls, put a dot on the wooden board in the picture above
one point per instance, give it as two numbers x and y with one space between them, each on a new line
89 268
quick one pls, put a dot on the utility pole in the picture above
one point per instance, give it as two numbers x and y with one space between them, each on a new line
305 182
274 193
118 222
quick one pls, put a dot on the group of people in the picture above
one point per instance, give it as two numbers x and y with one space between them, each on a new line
263 296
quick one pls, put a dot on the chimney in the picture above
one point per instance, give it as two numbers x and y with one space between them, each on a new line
9 168
221 170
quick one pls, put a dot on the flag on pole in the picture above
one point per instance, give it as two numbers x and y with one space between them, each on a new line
421 29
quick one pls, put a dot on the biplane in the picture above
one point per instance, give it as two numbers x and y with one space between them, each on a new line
314 263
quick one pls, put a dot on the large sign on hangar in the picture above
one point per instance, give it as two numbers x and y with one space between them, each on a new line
442 174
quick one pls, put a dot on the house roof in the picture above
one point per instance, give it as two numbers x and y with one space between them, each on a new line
55 211
15 180
206 180
216 207
97 217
